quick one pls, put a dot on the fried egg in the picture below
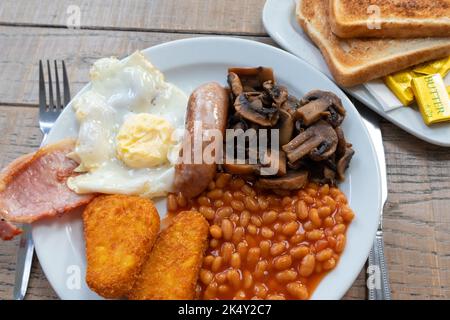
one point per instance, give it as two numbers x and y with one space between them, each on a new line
131 123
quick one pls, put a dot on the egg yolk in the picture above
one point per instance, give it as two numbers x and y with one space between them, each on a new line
144 140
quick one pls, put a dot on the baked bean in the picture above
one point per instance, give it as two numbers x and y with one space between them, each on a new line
240 295
207 212
331 242
251 240
223 289
286 276
215 231
181 200
277 248
297 238
308 226
314 235
329 264
210 291
338 218
253 256
260 269
244 219
256 220
234 217
221 277
282 262
237 183
323 255
263 203
247 279
260 290
329 202
204 201
287 201
270 217
172 204
287 216
340 243
224 212
290 228
238 235
347 214
222 180
308 199
314 217
251 204
299 252
235 261
321 245
252 229
219 203
242 249
341 199
206 276
207 261
328 222
311 192
215 194
234 278
247 190
226 251
217 264
214 243
324 211
324 190
227 229
297 290
307 265
227 197
301 210
339 229
237 205
238 195
277 227
264 245
267 233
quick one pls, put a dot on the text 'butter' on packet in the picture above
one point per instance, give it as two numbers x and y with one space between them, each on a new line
432 98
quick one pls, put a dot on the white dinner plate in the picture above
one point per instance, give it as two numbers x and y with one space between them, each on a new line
189 63
281 24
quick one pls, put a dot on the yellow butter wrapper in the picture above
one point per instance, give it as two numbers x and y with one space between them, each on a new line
400 85
432 98
441 66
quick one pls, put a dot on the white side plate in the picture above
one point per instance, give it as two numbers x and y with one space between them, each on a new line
281 24
189 63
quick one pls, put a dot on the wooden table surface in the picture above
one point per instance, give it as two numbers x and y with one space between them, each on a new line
417 217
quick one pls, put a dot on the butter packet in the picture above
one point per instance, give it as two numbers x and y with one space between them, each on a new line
400 83
432 98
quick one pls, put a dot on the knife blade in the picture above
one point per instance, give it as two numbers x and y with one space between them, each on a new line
24 262
376 264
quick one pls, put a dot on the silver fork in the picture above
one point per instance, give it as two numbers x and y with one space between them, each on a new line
48 113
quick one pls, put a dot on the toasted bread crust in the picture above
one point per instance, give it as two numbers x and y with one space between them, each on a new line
402 19
357 61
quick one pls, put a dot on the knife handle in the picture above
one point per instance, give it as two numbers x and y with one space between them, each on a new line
378 287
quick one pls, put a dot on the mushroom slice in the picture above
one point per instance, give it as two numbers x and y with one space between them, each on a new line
318 141
279 94
241 169
291 181
291 105
317 104
344 162
285 126
251 108
253 77
235 84
274 157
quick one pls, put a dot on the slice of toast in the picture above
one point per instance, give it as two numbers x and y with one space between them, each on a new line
356 61
390 18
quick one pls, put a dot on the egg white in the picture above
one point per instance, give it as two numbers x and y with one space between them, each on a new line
118 90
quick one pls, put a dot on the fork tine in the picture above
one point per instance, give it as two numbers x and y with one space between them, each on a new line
66 85
51 104
42 98
58 91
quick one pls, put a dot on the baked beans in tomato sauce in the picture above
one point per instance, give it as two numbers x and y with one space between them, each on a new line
265 245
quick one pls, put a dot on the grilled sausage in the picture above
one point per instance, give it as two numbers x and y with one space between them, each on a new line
208 105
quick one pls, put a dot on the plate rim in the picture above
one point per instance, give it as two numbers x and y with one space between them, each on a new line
235 40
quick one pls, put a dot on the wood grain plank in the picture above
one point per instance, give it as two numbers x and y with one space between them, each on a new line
22 48
241 17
